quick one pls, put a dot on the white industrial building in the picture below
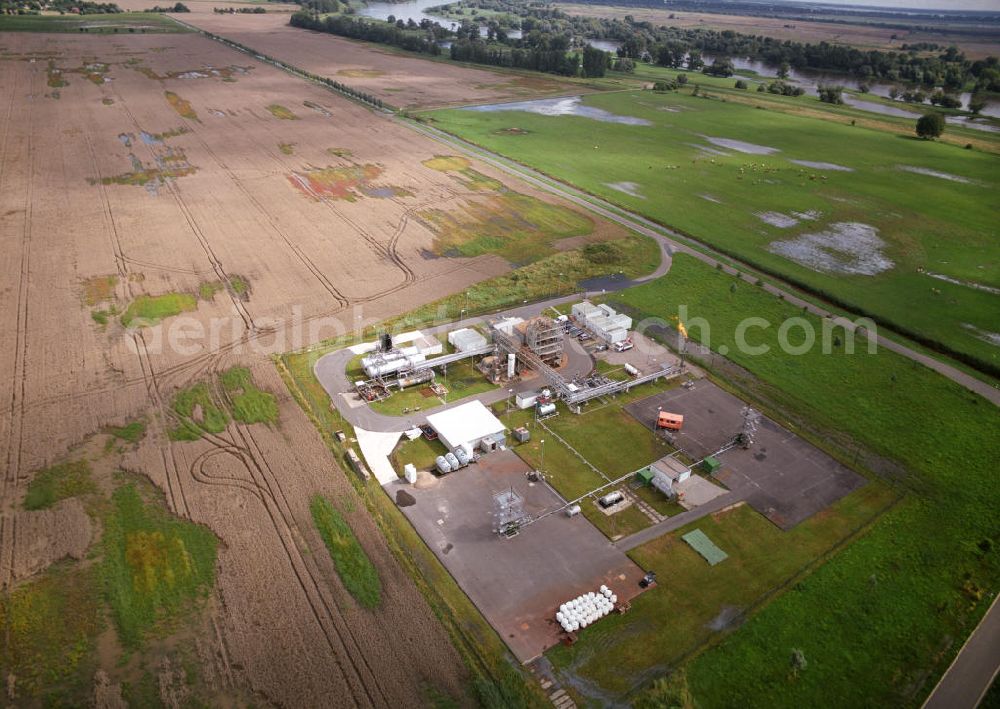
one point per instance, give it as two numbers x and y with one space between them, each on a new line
668 472
427 345
467 426
602 321
508 325
466 339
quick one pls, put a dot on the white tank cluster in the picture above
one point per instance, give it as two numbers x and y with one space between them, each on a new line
586 609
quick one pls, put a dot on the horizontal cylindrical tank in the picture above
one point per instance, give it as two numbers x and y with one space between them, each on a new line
462 456
631 370
546 409
612 498
443 465
573 510
452 461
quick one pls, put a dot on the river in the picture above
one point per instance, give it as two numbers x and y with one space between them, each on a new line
416 10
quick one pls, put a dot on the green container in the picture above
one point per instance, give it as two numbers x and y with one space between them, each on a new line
710 465
645 476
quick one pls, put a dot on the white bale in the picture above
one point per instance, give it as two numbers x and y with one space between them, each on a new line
614 598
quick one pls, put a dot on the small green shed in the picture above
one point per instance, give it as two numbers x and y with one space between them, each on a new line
645 476
711 465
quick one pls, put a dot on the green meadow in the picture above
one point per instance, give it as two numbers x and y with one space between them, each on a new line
764 209
883 617
124 22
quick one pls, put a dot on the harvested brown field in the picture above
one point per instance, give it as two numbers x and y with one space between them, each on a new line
407 81
861 35
267 268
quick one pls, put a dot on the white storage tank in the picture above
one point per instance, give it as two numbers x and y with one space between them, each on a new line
573 510
612 498
443 465
452 461
546 409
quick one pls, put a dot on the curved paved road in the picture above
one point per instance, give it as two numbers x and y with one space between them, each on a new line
964 683
669 245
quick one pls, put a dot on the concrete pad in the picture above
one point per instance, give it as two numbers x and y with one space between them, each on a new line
696 491
376 447
518 584
783 477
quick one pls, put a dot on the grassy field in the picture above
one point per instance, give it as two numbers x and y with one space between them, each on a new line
249 404
130 432
124 22
50 627
356 570
694 602
883 618
150 309
733 200
200 412
421 452
589 434
155 565
60 481
461 380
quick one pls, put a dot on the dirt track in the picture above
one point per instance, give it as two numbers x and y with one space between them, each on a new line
72 209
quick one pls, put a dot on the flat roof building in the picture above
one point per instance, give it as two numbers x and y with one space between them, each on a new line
467 425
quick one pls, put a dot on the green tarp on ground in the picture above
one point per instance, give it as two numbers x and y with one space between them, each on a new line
704 546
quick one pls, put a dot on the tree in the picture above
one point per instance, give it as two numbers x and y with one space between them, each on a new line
595 61
831 94
783 70
977 103
625 64
682 79
930 125
720 67
740 84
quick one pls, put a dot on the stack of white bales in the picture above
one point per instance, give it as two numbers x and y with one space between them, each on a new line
586 609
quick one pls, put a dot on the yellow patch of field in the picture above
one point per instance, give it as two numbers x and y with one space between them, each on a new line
180 105
447 163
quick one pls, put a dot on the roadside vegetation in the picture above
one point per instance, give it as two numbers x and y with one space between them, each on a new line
913 584
559 274
496 683
355 569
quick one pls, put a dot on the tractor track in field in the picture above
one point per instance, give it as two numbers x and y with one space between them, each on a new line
340 636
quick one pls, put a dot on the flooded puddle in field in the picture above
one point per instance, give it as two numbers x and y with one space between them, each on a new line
985 335
571 106
822 165
782 221
967 284
935 173
845 247
741 146
629 188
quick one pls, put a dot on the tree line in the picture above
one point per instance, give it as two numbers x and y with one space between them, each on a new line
420 39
